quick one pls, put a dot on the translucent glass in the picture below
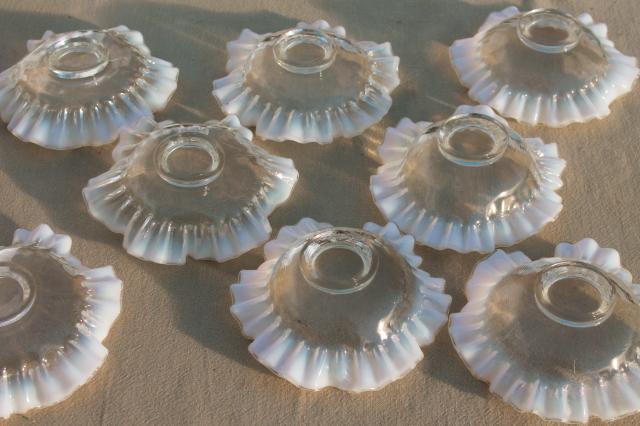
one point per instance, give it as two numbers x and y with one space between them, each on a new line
559 337
543 66
54 315
82 87
203 190
468 183
307 84
339 307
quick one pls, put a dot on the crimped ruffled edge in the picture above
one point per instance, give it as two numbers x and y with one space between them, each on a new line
56 378
312 367
274 123
391 197
91 124
579 107
486 363
129 138
166 242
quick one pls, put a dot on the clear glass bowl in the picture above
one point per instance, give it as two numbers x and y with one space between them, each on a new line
543 66
339 307
307 84
82 87
558 337
54 315
200 190
468 183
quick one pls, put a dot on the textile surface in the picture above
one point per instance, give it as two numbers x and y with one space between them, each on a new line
176 354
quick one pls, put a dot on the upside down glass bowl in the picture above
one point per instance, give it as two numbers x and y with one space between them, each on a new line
468 183
307 84
54 315
200 190
558 337
81 88
340 307
543 66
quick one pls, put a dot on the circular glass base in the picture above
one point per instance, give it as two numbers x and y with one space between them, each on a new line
543 67
54 315
339 307
307 84
468 183
82 88
201 190
17 294
558 337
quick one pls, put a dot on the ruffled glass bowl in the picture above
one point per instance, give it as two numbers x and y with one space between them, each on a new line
543 66
558 337
339 307
200 190
82 87
54 315
468 183
307 84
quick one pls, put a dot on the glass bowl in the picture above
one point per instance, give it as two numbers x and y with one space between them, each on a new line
340 307
54 315
468 183
543 66
558 337
307 84
200 190
81 88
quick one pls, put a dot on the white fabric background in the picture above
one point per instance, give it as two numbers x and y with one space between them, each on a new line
177 356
